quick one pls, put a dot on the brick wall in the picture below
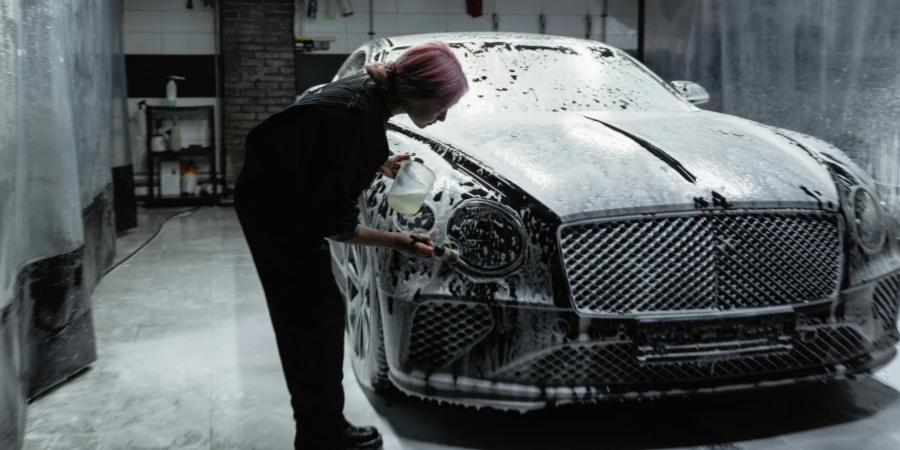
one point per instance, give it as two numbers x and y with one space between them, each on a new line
258 66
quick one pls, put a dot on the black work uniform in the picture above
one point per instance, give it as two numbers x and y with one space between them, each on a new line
304 170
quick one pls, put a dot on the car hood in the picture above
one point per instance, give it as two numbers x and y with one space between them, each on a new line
594 164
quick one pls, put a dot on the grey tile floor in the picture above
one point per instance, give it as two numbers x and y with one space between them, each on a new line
187 360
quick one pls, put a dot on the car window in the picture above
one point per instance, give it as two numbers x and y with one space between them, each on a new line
525 77
352 65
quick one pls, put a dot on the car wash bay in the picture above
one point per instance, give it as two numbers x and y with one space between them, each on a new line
131 314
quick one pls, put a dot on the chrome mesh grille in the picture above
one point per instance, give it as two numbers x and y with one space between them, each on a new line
443 330
709 261
886 303
592 364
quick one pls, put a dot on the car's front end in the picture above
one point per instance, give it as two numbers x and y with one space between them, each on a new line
668 299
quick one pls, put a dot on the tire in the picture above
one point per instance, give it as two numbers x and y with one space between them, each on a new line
364 327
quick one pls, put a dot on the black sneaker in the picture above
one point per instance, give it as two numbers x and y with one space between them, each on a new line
362 438
350 438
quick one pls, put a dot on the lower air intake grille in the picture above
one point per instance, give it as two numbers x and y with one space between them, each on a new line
724 260
886 304
443 330
592 364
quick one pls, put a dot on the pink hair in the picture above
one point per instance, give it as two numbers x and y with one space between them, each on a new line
426 71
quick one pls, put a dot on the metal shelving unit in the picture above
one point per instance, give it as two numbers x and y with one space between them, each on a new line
209 153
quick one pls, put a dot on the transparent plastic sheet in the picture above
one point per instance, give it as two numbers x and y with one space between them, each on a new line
52 200
9 145
827 68
61 90
12 401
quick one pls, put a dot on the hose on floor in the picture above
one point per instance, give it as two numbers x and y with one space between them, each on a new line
148 241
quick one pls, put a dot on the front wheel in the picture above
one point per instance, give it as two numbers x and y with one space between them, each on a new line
367 354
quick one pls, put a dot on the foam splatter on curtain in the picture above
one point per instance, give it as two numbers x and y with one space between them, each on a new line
827 68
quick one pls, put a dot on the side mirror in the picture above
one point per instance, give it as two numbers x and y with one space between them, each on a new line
691 92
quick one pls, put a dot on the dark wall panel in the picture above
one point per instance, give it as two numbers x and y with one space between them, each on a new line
148 75
316 69
124 203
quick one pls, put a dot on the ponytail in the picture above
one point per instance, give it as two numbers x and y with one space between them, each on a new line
379 73
423 72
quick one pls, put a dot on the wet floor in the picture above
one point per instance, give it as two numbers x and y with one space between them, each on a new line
187 360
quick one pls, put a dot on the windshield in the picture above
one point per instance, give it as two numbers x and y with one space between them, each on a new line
518 77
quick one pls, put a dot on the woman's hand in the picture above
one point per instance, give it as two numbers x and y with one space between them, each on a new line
414 246
392 165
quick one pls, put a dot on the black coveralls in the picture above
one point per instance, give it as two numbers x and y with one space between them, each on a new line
304 170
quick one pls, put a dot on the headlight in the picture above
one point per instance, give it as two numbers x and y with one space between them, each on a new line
421 222
867 219
490 237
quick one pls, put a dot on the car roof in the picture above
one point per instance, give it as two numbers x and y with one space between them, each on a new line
488 36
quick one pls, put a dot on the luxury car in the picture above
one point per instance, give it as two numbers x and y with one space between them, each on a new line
615 241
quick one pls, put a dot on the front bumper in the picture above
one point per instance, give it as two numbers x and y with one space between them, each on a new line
526 357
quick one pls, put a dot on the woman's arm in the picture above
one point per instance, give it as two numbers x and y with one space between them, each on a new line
372 237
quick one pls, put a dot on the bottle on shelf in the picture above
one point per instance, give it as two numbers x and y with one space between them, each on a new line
175 138
189 180
172 90
158 142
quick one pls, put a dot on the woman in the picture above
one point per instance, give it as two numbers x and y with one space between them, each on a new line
304 170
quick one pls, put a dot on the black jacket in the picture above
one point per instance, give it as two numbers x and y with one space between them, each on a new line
318 155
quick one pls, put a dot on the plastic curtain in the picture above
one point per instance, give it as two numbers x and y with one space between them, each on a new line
61 91
827 68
